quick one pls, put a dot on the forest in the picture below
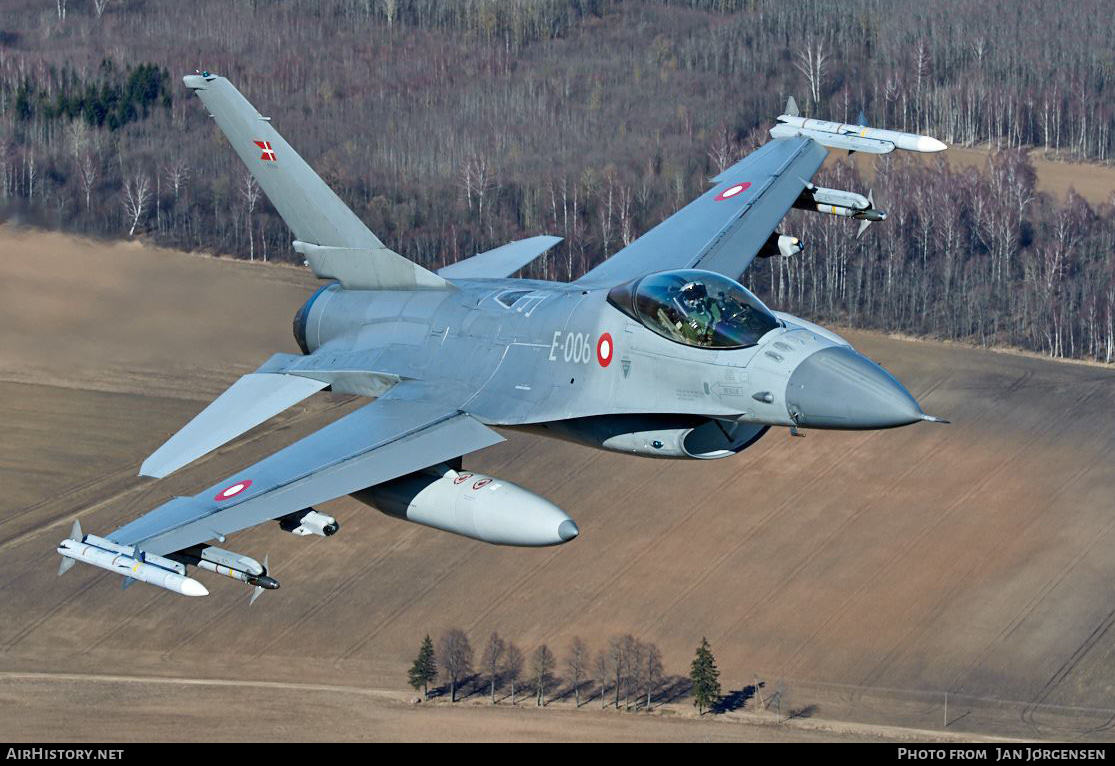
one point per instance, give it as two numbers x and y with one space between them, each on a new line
452 127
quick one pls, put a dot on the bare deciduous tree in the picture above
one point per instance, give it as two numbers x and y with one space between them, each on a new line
136 196
249 189
492 659
577 662
455 655
601 666
177 172
513 667
652 675
811 61
543 667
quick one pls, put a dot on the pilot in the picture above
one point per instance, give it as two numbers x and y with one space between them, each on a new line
701 313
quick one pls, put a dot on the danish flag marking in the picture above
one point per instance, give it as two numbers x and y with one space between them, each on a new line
268 152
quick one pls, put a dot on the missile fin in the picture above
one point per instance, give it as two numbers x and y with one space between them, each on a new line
862 119
127 583
792 107
64 565
863 224
75 533
259 589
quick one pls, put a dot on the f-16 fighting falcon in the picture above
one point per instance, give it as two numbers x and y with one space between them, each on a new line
658 351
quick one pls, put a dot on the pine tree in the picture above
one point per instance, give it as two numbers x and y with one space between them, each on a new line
705 677
424 668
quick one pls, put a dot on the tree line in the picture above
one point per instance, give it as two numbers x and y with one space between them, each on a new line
451 128
626 674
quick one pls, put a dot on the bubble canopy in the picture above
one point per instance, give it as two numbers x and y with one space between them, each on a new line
696 308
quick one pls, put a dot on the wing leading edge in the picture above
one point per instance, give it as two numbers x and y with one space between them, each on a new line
389 438
724 228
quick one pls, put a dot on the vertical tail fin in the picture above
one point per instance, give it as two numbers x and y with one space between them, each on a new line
316 215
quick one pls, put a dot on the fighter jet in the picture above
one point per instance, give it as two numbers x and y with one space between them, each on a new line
659 351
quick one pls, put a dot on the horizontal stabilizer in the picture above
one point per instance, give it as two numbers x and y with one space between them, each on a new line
368 269
499 262
247 403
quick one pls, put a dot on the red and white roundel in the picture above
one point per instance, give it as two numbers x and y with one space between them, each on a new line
233 490
481 483
733 190
604 350
461 478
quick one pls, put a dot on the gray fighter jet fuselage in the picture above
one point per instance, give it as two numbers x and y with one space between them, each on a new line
536 353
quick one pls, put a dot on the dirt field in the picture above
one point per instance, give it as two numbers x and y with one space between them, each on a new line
863 575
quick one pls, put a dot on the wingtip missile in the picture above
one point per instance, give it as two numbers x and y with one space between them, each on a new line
128 561
854 138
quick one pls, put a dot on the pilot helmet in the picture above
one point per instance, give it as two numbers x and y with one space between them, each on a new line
694 293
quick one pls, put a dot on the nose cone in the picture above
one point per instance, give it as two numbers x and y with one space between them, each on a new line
928 145
567 530
839 388
191 587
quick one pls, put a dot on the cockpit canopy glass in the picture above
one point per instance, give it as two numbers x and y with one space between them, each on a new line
701 308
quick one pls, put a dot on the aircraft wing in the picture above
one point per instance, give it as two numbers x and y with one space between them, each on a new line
724 228
399 433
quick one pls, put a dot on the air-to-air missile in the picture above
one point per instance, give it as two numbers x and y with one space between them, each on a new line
854 138
167 572
235 566
127 561
472 505
842 203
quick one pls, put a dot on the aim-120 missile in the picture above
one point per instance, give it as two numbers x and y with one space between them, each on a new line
854 138
124 560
